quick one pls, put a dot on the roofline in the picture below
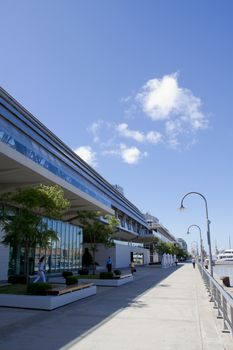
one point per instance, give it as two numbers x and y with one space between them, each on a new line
56 139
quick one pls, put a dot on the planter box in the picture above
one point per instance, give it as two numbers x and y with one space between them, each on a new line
46 302
115 282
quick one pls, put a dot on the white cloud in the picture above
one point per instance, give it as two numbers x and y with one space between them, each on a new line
176 108
159 97
86 153
163 99
102 132
94 129
151 136
131 155
124 131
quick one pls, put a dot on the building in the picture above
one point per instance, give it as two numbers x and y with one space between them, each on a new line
156 229
183 244
30 154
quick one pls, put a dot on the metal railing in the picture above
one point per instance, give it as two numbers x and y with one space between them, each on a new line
222 300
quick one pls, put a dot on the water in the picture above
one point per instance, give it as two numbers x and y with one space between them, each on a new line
224 270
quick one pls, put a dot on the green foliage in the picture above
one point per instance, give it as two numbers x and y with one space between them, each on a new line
169 248
22 221
39 288
17 279
24 225
44 200
96 231
71 280
14 289
67 273
160 247
117 272
106 275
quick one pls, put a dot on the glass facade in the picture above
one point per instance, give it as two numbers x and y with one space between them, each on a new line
63 254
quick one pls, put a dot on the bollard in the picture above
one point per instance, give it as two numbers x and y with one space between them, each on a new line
219 315
225 316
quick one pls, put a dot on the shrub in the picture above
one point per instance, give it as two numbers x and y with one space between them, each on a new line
117 272
83 271
67 273
71 280
39 288
106 275
17 279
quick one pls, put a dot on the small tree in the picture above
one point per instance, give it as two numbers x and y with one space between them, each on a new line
97 232
159 246
22 217
169 248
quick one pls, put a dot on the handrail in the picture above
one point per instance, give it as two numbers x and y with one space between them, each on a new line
223 301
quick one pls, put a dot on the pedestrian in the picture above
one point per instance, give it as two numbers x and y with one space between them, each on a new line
109 264
193 262
41 271
132 267
206 263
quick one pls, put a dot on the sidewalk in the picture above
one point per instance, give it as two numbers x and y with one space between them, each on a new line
163 309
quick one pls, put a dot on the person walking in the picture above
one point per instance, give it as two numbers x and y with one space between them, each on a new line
193 262
109 264
132 267
41 271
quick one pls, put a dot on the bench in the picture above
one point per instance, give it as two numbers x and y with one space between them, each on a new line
120 277
72 288
125 276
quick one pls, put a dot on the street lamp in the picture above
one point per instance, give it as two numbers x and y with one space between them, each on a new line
201 246
208 226
194 248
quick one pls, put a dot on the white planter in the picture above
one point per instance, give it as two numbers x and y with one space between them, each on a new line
108 283
46 302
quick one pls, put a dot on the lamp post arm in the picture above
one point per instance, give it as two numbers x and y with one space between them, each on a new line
199 194
208 226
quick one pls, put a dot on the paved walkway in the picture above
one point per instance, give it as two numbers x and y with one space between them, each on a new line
163 309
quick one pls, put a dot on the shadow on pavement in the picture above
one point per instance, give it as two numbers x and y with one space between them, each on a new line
61 328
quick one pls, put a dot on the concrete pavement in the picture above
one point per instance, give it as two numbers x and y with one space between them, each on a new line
162 309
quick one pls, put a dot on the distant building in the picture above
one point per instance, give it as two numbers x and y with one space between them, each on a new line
150 219
156 229
183 244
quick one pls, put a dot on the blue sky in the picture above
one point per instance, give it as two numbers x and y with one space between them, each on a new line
142 89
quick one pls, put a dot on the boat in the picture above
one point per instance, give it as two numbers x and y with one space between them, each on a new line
225 258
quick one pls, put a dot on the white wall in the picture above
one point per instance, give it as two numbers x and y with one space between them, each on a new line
102 254
120 254
155 257
4 259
